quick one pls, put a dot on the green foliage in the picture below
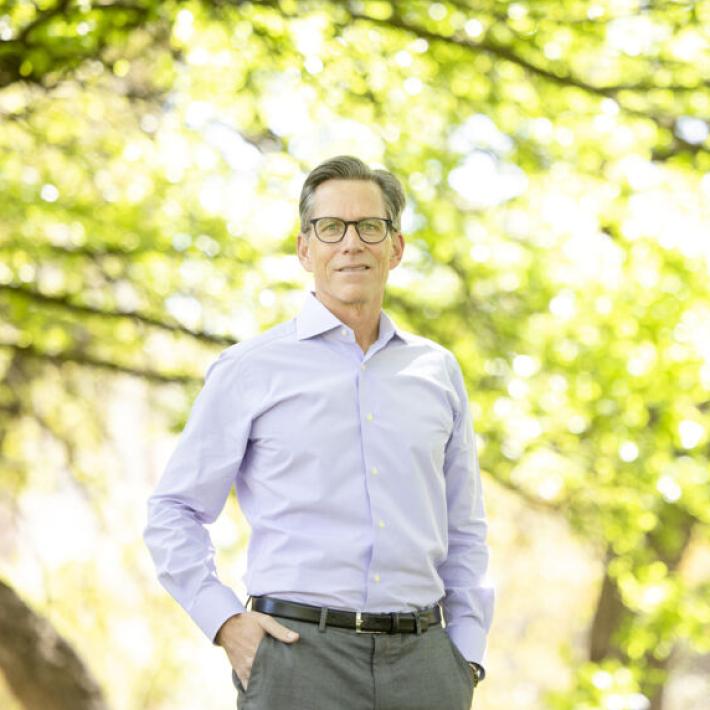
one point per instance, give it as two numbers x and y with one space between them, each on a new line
555 156
607 685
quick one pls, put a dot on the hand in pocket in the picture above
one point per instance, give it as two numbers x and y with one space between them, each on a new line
241 635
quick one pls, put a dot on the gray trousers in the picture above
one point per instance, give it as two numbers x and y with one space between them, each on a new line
339 669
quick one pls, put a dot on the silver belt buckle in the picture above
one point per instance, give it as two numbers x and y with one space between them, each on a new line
358 623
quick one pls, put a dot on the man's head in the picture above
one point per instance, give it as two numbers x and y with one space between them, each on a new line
346 167
350 262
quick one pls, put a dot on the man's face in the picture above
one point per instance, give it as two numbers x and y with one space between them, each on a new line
350 272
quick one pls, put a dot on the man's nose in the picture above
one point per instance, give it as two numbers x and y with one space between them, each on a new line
352 238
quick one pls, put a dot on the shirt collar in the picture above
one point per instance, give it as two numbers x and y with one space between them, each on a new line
316 319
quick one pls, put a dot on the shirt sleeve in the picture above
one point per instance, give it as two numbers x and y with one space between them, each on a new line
469 600
192 492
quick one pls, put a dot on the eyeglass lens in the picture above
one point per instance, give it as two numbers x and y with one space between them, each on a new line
331 229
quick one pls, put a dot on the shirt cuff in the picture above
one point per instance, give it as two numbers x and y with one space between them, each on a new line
213 606
470 639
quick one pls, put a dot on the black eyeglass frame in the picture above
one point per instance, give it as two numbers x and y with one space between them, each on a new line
347 223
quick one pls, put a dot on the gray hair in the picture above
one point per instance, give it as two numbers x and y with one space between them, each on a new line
346 167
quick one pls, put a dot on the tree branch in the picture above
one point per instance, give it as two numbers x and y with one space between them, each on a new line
79 358
67 303
530 500
65 55
500 51
41 19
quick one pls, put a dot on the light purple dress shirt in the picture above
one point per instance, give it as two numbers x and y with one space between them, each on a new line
356 471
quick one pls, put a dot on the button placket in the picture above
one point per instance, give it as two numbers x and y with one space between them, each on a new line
366 401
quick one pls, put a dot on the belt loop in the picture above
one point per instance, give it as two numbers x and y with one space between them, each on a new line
395 622
418 623
323 617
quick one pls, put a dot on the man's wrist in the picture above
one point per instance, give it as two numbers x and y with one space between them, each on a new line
218 635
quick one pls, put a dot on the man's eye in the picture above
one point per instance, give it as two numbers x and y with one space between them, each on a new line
330 226
372 227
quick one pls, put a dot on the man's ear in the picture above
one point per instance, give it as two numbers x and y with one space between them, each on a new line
397 249
303 250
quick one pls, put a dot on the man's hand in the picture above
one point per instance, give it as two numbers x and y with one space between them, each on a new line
241 634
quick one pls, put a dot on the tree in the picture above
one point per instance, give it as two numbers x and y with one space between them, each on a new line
553 154
41 667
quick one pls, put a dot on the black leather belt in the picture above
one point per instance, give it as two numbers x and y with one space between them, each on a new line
363 622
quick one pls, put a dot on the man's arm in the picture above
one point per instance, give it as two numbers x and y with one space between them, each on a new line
192 492
468 603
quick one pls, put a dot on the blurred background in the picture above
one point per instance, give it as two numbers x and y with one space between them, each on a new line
556 160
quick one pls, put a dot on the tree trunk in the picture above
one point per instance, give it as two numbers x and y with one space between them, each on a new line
41 668
667 543
669 540
608 617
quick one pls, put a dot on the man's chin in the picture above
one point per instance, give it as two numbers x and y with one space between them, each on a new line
353 301
347 297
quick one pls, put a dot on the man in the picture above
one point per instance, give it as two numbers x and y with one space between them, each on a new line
351 448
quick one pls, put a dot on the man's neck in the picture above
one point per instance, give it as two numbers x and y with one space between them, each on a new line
363 318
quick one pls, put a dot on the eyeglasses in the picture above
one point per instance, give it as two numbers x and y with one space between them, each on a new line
332 230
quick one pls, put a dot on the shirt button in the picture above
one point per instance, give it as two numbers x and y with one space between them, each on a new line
374 471
369 417
363 366
377 578
381 523
343 331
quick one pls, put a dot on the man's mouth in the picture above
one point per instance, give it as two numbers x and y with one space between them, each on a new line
360 267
